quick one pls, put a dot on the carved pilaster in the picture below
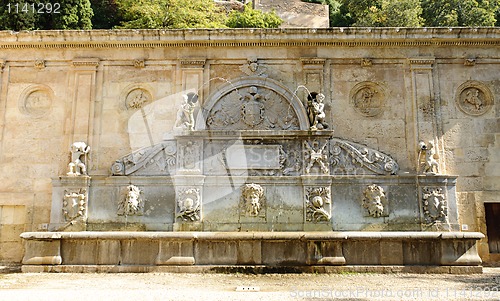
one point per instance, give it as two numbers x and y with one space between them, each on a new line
191 73
84 85
313 70
425 104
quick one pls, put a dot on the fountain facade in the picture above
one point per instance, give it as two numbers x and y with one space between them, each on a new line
307 161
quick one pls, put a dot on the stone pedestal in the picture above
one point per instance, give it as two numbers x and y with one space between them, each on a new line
69 203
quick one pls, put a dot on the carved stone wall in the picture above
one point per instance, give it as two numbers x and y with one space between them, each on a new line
385 91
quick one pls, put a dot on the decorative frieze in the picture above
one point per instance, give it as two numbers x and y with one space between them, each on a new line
192 63
159 159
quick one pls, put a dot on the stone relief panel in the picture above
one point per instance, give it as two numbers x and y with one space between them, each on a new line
253 157
189 157
252 108
349 158
318 204
316 154
74 204
36 101
474 98
375 201
367 99
252 200
188 204
434 204
159 159
132 203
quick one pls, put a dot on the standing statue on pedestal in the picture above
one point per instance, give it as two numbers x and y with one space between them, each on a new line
185 115
427 158
79 151
316 111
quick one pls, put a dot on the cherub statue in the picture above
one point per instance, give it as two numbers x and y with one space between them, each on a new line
79 151
185 114
428 158
316 111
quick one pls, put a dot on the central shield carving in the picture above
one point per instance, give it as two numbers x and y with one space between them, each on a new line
252 109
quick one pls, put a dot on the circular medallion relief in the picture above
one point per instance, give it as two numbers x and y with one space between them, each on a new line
367 98
36 101
474 98
137 98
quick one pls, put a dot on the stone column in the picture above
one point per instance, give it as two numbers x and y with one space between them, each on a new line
188 181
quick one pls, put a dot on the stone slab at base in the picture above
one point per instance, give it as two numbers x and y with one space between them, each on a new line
444 252
387 269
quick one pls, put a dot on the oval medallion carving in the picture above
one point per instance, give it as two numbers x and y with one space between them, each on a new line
137 98
367 98
36 101
474 98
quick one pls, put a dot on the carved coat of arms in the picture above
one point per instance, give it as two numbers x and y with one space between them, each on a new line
252 110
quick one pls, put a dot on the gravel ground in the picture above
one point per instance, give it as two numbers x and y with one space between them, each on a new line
269 287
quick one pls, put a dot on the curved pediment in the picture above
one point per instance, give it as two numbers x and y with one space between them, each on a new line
253 103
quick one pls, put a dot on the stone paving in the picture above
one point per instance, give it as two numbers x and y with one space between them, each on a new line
170 286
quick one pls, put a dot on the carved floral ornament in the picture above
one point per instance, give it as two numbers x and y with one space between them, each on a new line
318 204
135 97
36 101
367 98
474 98
188 204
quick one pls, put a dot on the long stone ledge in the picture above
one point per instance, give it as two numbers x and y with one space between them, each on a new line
251 235
415 269
338 37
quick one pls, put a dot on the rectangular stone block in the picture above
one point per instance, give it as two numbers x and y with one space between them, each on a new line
284 253
391 252
419 252
361 251
139 252
176 253
216 252
249 252
42 252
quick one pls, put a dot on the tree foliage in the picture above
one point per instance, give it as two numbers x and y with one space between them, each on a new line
460 12
66 14
252 18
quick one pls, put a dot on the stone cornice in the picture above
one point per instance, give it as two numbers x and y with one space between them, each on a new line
292 37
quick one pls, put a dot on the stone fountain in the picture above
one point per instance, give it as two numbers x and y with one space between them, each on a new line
253 178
